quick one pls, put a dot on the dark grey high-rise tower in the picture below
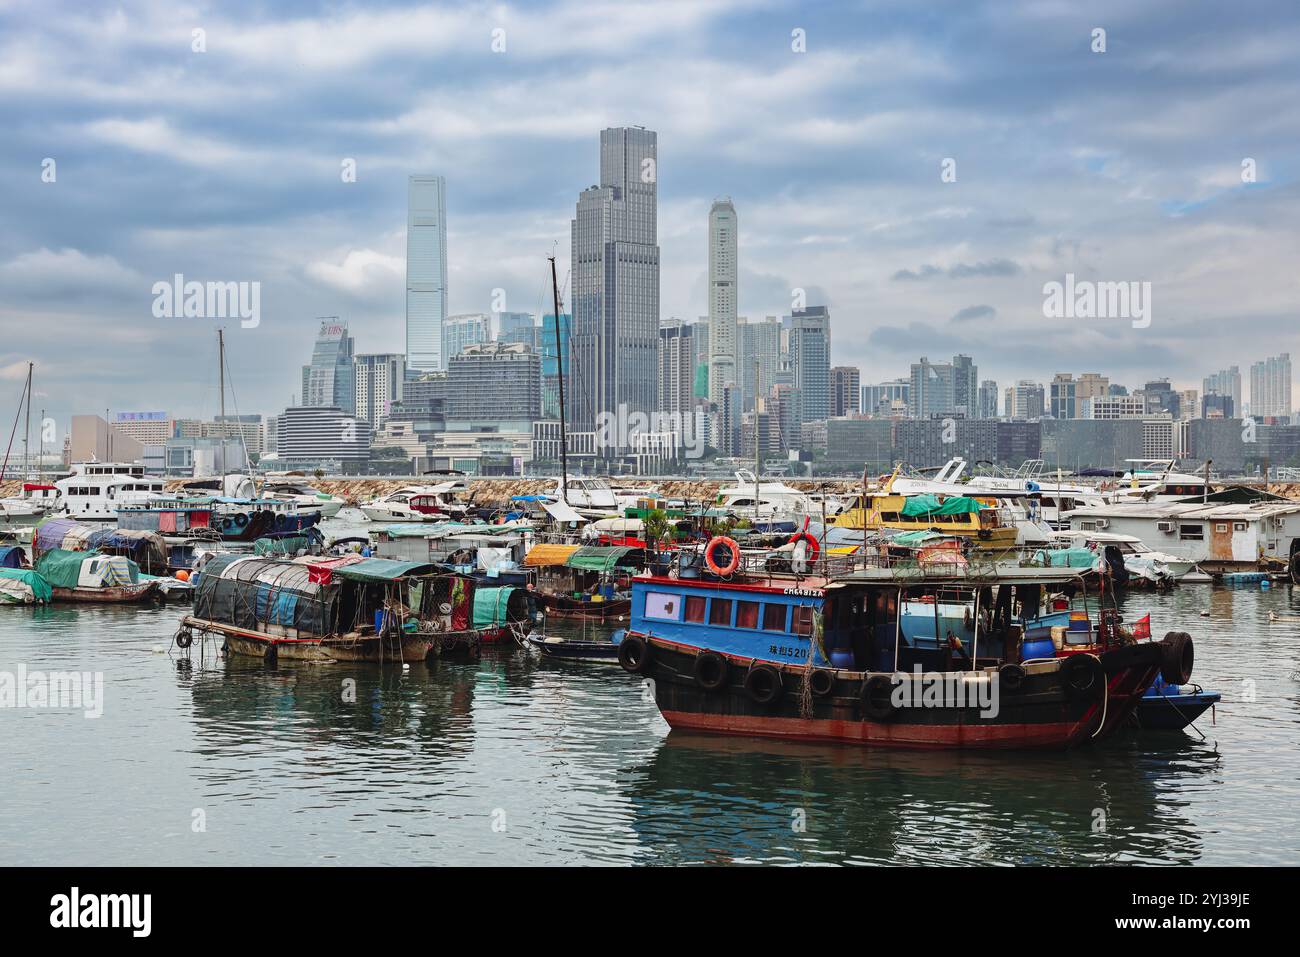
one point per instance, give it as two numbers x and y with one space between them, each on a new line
615 359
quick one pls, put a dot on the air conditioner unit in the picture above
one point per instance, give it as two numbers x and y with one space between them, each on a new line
1166 527
1102 523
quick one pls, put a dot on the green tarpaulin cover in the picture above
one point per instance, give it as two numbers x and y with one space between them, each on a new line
381 570
39 586
1067 558
598 558
490 605
62 568
914 538
930 505
289 545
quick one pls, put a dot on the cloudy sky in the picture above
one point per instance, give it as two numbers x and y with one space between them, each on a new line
225 165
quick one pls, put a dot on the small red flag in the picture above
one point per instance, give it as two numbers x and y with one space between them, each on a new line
1142 627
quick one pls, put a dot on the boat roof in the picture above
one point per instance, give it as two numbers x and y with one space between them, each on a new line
944 573
1190 510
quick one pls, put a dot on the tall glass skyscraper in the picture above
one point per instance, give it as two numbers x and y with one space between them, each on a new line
722 299
330 379
426 272
1270 386
616 282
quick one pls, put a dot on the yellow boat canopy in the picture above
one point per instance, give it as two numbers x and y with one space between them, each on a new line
544 555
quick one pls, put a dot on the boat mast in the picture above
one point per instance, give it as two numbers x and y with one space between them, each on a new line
559 374
758 455
27 428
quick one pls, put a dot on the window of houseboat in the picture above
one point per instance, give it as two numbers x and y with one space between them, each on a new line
774 617
1191 533
803 620
720 611
746 614
695 608
664 606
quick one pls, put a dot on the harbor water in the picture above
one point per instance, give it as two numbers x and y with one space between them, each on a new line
203 760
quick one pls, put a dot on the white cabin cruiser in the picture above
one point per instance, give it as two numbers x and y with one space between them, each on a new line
1139 558
1056 498
418 503
768 500
302 495
36 501
591 497
96 490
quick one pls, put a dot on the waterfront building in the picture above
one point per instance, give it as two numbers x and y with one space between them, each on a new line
426 271
379 379
329 380
615 263
1026 400
247 431
965 386
147 428
494 385
327 436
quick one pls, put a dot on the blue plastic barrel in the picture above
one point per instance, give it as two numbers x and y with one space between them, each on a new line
1038 648
379 621
843 658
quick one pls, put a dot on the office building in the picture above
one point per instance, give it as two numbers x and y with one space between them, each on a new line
426 271
329 380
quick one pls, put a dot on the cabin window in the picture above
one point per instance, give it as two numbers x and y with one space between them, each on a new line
1191 533
774 617
720 611
1220 526
803 620
695 608
1238 526
746 614
665 606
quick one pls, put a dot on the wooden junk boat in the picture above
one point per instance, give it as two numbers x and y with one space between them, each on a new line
346 608
586 582
899 653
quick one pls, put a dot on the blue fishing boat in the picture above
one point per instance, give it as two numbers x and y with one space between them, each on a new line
881 655
1172 707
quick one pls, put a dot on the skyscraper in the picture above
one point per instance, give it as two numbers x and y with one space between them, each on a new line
846 393
988 399
722 299
676 368
1270 386
461 331
931 389
615 264
1225 382
810 362
758 356
329 380
965 386
379 378
426 272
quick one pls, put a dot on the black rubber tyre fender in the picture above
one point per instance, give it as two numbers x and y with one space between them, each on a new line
1083 675
821 682
877 698
1011 678
711 670
763 684
1177 655
184 638
634 654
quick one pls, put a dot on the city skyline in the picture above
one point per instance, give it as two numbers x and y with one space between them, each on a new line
843 202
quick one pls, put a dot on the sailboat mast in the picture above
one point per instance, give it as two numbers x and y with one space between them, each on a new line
27 428
559 375
221 372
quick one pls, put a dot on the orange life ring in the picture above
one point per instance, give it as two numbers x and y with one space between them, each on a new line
813 546
722 570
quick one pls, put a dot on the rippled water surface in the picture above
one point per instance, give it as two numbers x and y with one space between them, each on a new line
509 759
